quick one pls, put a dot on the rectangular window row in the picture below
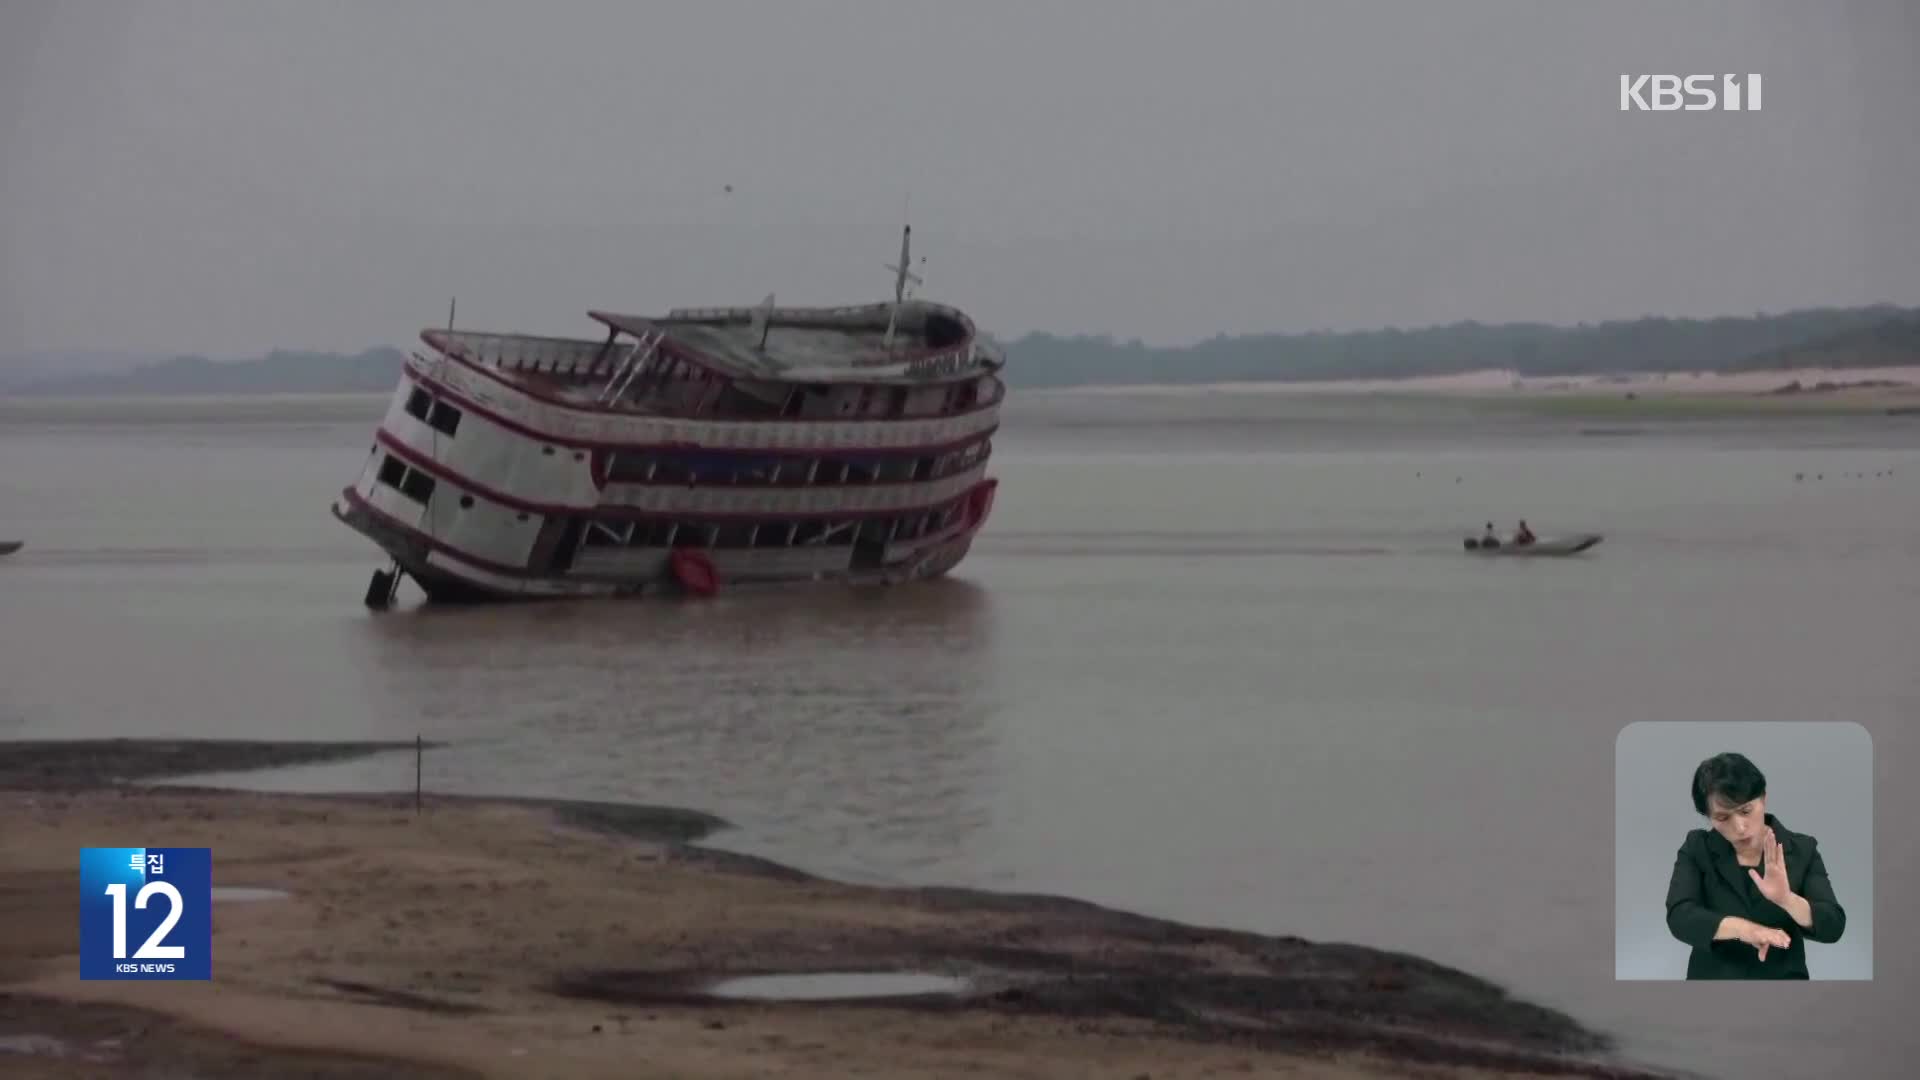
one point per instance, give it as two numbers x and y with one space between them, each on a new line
790 471
768 534
676 387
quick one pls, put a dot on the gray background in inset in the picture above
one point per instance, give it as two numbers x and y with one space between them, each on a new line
1819 782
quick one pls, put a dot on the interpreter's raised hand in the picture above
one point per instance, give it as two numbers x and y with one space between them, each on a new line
1773 885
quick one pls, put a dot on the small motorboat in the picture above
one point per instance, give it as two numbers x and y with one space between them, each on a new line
1566 545
8 547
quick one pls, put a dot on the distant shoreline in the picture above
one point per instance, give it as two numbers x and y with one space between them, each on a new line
1842 395
1439 357
1498 382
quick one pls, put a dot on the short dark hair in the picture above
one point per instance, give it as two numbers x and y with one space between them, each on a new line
1730 776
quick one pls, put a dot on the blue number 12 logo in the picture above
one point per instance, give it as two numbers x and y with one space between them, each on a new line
144 913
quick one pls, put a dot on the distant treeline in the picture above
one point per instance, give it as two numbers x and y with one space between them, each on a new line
1878 336
1874 336
278 372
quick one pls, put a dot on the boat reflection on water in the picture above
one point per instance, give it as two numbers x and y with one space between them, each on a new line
851 725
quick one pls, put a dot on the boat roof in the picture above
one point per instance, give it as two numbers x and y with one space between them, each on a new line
932 343
908 341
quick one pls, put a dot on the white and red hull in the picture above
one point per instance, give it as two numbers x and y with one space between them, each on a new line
480 486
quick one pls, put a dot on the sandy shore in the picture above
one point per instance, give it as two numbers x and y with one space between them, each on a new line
1497 382
515 938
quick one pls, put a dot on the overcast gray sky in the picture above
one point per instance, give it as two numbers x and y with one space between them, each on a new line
231 177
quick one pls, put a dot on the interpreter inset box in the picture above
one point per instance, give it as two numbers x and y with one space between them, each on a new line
1743 850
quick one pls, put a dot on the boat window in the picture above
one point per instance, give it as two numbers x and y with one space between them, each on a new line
693 535
670 471
392 471
445 418
412 483
417 486
418 403
607 533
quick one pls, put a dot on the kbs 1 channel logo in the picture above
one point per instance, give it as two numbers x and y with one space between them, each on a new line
145 913
1690 93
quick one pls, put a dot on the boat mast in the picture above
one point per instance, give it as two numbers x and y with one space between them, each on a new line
762 322
902 275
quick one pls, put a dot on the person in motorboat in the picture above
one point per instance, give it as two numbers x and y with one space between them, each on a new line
1489 538
1523 535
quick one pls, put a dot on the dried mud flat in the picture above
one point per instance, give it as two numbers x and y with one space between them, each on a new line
526 938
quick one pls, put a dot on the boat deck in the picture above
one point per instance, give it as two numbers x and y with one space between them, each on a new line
931 341
931 344
791 352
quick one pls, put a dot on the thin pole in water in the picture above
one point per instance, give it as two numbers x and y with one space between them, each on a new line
419 747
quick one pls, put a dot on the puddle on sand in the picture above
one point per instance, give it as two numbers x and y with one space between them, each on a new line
240 893
836 985
105 1051
33 1045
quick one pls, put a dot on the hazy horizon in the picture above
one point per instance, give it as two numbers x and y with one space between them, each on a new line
224 180
154 356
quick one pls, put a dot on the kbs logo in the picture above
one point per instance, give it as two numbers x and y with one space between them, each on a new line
1669 93
144 913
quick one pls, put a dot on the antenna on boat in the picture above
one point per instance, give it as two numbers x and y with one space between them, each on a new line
763 321
903 274
439 362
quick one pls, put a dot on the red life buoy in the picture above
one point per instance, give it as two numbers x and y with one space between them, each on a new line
695 571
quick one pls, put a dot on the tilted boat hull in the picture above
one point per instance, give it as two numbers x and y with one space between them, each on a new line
716 448
448 577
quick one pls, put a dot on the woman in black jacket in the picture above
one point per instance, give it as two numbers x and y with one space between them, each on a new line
1749 892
